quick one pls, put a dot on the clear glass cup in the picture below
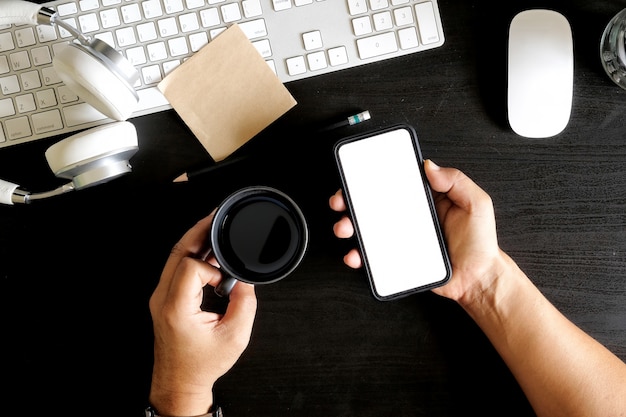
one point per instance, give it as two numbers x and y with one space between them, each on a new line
612 49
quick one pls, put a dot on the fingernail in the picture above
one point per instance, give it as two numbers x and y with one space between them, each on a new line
433 165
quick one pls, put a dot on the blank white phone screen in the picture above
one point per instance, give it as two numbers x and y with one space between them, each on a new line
397 228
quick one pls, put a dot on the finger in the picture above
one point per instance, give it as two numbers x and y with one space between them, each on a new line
343 229
185 290
336 201
458 187
353 259
240 312
194 243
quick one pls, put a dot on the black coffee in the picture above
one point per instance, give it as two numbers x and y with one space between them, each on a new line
259 238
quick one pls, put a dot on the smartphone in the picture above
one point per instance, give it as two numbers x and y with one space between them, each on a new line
393 212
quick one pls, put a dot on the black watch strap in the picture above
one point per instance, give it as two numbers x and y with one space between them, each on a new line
151 412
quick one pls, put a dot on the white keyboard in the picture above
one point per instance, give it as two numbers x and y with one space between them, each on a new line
297 38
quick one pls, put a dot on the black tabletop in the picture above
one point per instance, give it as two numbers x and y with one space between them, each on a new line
77 270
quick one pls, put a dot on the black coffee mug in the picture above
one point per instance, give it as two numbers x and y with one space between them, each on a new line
259 236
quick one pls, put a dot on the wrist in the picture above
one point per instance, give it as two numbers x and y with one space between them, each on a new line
180 403
490 291
151 412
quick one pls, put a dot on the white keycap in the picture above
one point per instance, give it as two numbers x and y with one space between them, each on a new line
312 40
156 51
25 103
251 8
378 4
19 60
4 65
194 4
88 4
6 107
338 56
377 45
317 60
146 32
88 23
110 18
408 38
46 33
281 5
66 9
198 40
403 16
151 74
168 27
46 98
230 12
357 6
362 25
254 28
131 13
296 65
382 21
178 46
210 17
66 95
264 48
152 9
30 80
149 97
41 55
188 22
9 84
426 22
47 121
25 37
136 56
173 6
18 128
125 37
82 113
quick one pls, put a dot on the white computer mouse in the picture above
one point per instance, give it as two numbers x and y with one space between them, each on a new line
540 73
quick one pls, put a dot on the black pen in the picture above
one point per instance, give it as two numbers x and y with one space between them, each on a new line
189 175
348 121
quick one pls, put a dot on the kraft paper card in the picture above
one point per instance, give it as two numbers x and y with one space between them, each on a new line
226 93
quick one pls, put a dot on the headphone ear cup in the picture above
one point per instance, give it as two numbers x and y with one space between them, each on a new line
94 82
94 156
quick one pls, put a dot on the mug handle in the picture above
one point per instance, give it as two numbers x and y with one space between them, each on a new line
225 286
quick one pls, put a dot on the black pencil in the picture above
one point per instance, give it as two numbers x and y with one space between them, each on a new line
348 121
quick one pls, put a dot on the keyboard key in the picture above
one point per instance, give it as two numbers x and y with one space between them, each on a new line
254 28
338 56
312 40
296 65
317 60
426 22
18 128
80 114
251 8
377 45
25 103
6 107
357 7
281 5
408 38
151 97
47 121
46 98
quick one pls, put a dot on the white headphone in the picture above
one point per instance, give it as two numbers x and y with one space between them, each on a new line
102 77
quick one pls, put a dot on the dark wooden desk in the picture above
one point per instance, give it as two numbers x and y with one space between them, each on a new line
77 270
